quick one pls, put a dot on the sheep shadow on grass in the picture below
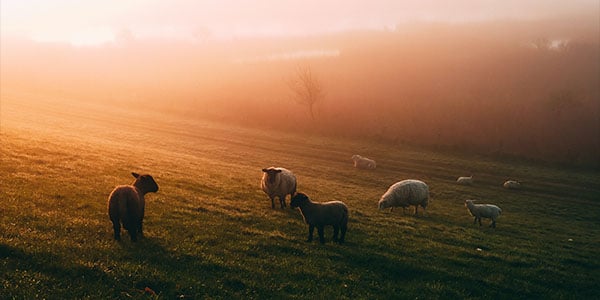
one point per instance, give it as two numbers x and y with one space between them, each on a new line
158 267
20 265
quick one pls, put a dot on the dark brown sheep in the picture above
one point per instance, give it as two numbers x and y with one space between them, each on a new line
334 213
126 205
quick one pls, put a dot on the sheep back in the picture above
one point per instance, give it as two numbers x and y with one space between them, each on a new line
327 213
361 162
405 193
511 184
465 180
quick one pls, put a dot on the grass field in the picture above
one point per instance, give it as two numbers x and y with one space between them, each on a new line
211 232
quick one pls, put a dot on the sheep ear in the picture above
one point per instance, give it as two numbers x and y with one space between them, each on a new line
264 170
277 171
136 175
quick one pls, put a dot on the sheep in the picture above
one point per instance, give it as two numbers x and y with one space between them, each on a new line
465 180
126 205
404 194
334 213
512 185
363 162
278 182
479 211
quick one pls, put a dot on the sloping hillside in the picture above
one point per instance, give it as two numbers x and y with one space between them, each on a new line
210 231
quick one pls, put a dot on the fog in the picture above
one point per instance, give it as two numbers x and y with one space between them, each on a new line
524 87
93 21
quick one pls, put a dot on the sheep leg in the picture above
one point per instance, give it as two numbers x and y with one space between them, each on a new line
272 202
343 235
475 220
311 229
416 210
479 219
131 228
133 234
321 234
336 230
141 230
117 230
282 201
493 225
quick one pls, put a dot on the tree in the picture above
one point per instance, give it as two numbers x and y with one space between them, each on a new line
307 88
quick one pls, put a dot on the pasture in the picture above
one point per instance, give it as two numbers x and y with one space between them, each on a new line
211 233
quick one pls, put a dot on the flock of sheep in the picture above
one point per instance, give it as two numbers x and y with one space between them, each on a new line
126 202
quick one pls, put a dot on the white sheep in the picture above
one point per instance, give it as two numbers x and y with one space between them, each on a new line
334 213
404 194
512 185
126 204
278 182
488 211
363 162
465 180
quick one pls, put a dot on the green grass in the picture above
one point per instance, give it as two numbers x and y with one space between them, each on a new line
211 233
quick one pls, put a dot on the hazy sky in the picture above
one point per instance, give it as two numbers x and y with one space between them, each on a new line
94 21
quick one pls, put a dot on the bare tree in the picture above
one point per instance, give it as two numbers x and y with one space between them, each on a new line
307 88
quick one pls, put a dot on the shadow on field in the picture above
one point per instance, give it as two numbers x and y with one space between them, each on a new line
149 263
145 263
20 266
47 263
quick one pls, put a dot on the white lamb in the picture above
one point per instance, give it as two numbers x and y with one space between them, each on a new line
465 180
488 211
512 185
363 162
406 193
278 182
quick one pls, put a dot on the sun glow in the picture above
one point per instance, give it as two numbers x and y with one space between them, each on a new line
98 22
81 38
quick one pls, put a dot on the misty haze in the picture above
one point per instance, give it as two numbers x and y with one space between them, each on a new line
524 88
350 96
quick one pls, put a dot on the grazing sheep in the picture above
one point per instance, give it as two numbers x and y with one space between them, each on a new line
406 193
126 205
334 213
363 162
465 180
512 185
488 211
278 182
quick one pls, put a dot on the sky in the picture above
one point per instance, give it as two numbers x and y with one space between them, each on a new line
82 22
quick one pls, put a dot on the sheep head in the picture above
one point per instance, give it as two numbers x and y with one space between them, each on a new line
298 200
145 183
271 174
383 204
468 203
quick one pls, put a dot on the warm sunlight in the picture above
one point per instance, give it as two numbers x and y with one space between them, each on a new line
89 37
188 149
92 22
